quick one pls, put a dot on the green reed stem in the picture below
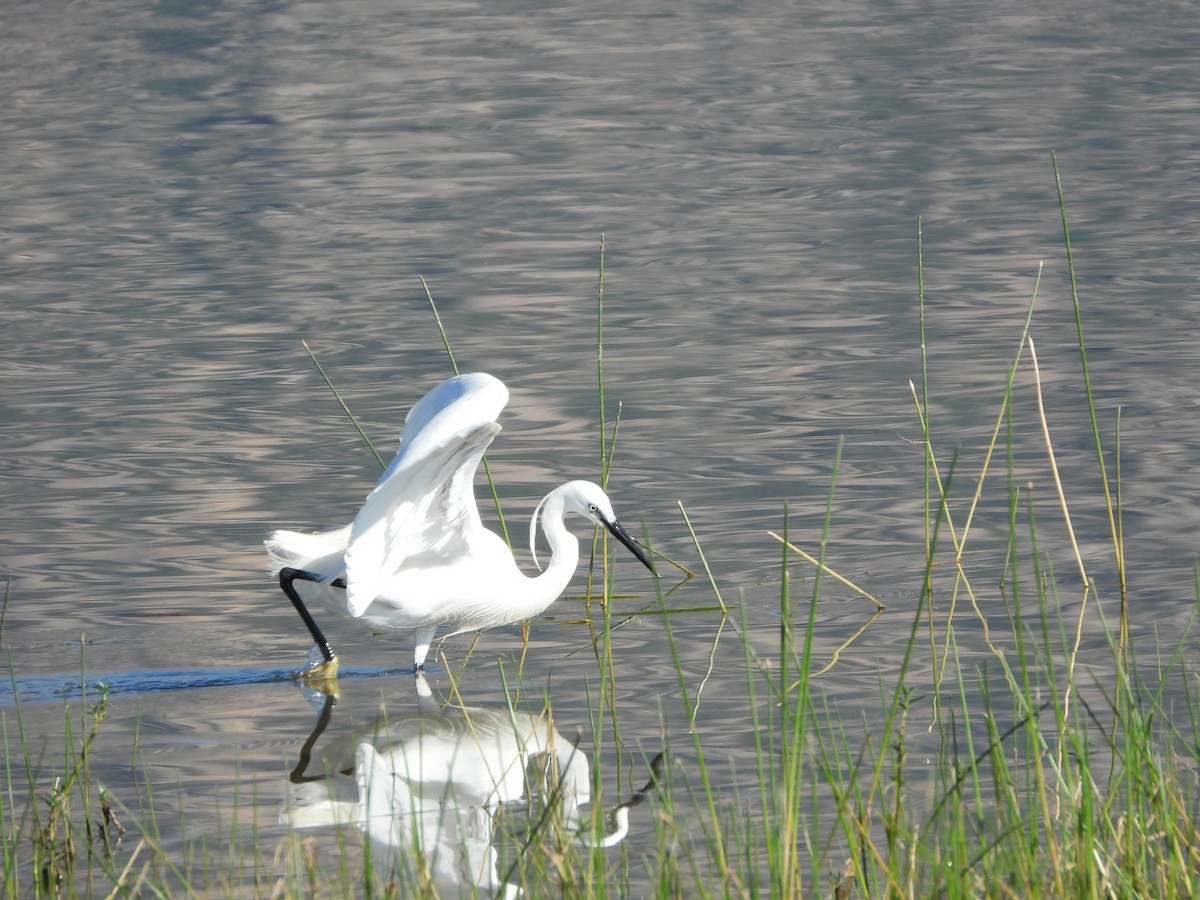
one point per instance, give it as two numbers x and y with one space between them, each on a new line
1114 530
605 449
346 409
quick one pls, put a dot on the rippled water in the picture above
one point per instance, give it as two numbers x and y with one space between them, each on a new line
192 189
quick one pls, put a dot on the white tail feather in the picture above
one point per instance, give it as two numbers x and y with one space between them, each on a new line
319 553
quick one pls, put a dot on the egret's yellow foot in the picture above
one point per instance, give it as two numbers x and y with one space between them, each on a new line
319 673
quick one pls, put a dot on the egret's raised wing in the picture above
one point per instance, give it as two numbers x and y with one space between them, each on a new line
425 500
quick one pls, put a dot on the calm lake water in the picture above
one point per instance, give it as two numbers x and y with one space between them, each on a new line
192 189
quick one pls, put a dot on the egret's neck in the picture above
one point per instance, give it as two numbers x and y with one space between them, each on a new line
564 554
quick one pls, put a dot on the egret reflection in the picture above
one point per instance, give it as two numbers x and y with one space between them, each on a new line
427 790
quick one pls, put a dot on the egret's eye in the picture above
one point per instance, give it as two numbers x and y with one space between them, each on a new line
593 508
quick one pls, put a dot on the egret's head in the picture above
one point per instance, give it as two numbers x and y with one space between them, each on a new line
588 500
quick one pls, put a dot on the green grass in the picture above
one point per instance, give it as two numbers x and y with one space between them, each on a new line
1046 778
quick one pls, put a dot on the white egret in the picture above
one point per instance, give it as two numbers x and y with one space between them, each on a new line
417 556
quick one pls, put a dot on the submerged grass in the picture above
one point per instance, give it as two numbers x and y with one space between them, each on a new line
990 761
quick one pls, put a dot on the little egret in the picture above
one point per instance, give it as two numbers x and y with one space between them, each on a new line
417 555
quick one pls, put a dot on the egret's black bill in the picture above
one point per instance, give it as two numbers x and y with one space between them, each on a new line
618 531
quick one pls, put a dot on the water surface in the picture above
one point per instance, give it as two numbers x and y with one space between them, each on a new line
191 190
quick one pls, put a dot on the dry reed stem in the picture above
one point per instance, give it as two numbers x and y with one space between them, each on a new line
1062 499
960 543
700 552
828 571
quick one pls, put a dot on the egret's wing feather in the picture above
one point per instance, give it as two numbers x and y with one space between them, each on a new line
425 501
477 397
423 508
439 520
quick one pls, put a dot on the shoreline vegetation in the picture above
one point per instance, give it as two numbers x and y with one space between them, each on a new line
1052 777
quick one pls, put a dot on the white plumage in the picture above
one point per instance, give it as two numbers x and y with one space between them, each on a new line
417 556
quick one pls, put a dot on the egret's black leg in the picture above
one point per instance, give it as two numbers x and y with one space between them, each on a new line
286 576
